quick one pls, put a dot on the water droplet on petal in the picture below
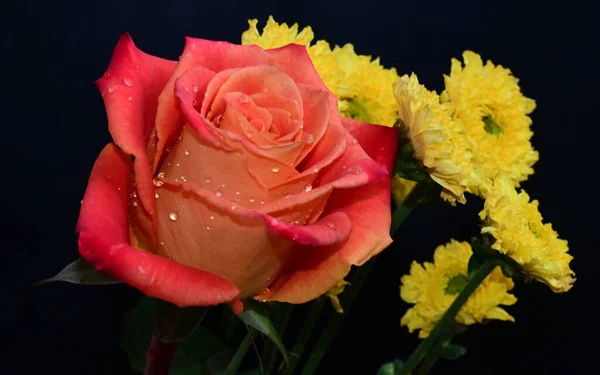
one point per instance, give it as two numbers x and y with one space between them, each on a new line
134 204
183 179
309 139
288 195
244 98
219 194
207 227
187 153
208 180
382 149
275 169
111 90
354 141
252 200
195 88
296 222
233 207
134 194
308 188
353 170
173 216
162 243
107 74
331 226
274 221
194 102
219 119
156 195
212 217
81 201
130 98
157 183
177 164
161 175
237 193
127 82
141 269
266 291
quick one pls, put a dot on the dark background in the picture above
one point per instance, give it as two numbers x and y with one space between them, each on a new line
54 126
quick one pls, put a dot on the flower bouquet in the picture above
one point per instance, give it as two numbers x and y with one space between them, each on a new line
249 187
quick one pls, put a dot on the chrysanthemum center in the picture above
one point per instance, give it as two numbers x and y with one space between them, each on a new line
356 111
456 284
491 126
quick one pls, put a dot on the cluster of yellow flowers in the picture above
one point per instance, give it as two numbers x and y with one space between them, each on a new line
474 138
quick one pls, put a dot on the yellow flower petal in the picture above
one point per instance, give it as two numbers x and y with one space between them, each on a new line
428 288
489 102
517 225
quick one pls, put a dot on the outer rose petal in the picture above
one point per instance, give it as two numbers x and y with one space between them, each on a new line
130 88
104 241
316 270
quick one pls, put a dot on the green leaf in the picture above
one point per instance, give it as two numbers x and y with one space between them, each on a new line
391 368
190 357
81 272
451 351
261 323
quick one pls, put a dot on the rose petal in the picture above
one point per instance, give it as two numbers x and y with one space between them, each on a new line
130 88
368 207
215 56
104 241
242 245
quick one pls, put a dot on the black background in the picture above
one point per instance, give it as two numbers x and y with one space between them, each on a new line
54 126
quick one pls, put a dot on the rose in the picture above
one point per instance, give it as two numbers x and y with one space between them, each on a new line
245 180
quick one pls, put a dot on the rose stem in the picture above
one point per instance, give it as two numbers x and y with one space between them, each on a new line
158 359
333 325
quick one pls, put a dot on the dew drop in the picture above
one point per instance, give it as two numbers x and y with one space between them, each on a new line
177 164
219 194
252 200
118 188
134 204
157 183
81 201
275 169
212 217
130 98
111 90
316 170
195 103
183 179
309 139
162 243
127 82
244 99
353 170
354 141
173 216
308 188
382 149
237 193
187 153
156 195
266 291
274 221
222 185
208 180
219 119
296 222
141 269
107 74
233 207
331 226
195 88
161 175
207 227
288 195
134 194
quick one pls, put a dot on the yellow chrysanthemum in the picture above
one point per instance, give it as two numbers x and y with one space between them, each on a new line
362 86
433 287
488 100
436 138
334 292
517 225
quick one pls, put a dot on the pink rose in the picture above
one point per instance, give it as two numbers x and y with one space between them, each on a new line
245 180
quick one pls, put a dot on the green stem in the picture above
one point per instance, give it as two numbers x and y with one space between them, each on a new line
240 353
448 318
335 321
270 355
409 203
311 320
333 325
